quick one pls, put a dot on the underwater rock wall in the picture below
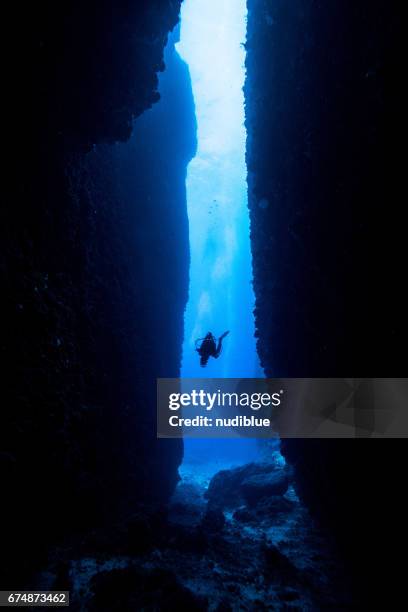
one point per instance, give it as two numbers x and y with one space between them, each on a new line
323 117
323 114
94 273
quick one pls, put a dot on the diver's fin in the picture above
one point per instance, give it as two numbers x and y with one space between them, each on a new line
224 334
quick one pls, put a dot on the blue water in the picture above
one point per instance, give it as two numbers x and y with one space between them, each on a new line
221 295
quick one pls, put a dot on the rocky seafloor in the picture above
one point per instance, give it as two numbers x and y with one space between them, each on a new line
241 540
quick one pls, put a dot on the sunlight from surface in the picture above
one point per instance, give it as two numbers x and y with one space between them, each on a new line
213 33
212 43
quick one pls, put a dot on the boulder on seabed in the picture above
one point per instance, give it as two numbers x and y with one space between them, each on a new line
268 484
247 484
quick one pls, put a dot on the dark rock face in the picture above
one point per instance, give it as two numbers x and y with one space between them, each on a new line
323 116
259 508
127 590
260 486
89 68
213 521
247 484
276 562
94 271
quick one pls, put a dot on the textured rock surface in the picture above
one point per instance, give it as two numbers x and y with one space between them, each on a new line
323 116
249 483
127 590
275 559
262 486
94 290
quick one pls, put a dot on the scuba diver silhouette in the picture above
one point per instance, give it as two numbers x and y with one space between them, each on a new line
208 348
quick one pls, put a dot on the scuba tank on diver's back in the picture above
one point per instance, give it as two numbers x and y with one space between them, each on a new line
208 347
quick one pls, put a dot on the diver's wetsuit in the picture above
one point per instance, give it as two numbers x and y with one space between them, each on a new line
209 348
